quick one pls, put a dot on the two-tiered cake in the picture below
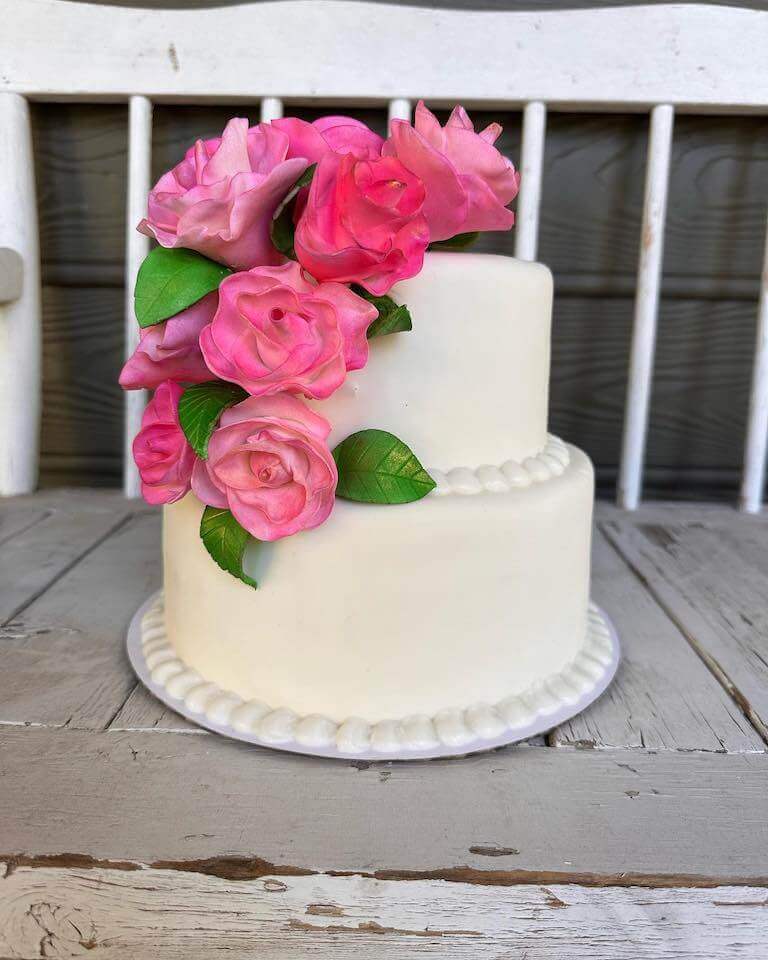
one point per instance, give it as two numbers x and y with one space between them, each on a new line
438 608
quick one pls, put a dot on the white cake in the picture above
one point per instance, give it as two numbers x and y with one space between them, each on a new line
442 620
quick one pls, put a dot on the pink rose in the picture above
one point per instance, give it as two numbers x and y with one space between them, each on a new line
274 331
269 463
171 350
329 134
221 198
363 223
161 451
468 182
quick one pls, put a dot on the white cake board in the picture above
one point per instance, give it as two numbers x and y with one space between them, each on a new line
542 724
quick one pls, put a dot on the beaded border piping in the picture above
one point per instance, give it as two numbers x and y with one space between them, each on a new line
453 730
511 475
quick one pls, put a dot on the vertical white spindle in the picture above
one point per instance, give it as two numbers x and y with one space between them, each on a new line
136 249
20 321
646 307
531 167
271 109
399 109
757 427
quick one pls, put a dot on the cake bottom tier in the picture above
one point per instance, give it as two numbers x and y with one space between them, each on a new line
453 602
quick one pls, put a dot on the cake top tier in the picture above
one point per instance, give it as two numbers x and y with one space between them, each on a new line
468 385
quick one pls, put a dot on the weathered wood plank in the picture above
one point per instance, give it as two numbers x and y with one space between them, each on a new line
167 914
514 816
62 661
700 398
716 516
16 517
716 597
555 55
142 711
81 153
663 696
38 555
82 424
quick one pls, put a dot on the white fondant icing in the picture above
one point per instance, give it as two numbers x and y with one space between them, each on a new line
452 726
393 611
469 383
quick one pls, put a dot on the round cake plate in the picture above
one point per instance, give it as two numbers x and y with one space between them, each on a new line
542 723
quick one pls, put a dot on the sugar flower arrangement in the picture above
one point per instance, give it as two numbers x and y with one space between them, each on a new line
278 246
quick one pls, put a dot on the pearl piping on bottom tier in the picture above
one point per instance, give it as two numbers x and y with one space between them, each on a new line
452 727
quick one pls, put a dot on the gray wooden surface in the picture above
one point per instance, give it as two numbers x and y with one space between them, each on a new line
592 196
637 830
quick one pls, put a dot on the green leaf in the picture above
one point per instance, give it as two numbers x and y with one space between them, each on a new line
283 228
393 317
459 242
169 281
283 231
375 467
304 181
200 407
225 540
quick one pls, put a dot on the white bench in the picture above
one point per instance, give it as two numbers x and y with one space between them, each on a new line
661 59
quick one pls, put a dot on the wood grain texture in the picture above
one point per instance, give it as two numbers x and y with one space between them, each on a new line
44 550
191 917
142 711
62 660
17 517
82 423
700 386
145 842
714 594
81 155
670 54
221 807
663 696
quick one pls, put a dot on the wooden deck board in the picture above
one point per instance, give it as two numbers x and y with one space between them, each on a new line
609 816
716 596
40 552
62 661
663 697
183 916
637 830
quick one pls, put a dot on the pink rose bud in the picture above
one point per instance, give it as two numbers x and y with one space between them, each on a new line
467 181
269 463
171 350
275 331
363 223
161 451
329 134
221 198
